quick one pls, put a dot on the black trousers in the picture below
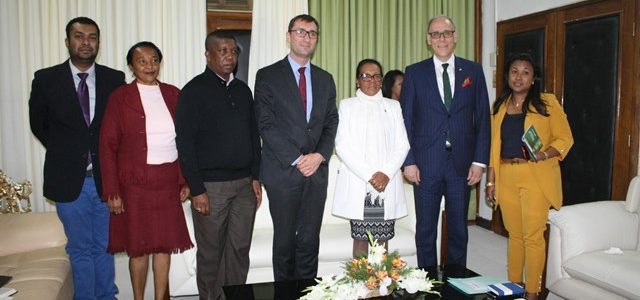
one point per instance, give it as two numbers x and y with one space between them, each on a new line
296 211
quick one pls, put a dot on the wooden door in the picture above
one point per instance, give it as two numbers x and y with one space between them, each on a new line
588 63
594 79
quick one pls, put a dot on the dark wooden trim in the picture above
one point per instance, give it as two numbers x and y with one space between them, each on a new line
545 22
496 223
228 20
544 292
635 91
443 239
478 31
482 222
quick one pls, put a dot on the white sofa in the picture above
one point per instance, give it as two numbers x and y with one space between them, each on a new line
32 253
577 265
335 243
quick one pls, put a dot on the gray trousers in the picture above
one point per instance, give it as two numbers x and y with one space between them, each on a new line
224 237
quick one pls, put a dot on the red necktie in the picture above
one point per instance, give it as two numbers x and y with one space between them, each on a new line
302 84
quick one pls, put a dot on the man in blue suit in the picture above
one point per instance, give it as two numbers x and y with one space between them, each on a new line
446 112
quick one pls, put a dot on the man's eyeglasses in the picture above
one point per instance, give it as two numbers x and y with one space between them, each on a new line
301 33
368 77
446 34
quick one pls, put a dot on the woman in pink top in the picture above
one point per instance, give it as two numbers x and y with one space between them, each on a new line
142 182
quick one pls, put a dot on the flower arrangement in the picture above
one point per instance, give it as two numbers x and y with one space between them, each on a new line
377 274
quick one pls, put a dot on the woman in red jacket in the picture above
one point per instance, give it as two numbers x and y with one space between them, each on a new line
142 182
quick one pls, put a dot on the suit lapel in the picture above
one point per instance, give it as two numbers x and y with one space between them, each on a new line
432 84
133 98
69 94
461 74
318 105
169 98
101 95
295 100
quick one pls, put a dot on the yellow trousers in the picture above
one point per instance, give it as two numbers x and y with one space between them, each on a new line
524 211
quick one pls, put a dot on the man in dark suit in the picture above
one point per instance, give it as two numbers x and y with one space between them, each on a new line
297 119
446 111
65 110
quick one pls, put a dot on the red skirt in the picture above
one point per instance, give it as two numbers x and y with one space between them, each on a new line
153 219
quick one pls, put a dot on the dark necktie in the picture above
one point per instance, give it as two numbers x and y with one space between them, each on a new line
83 97
446 87
302 85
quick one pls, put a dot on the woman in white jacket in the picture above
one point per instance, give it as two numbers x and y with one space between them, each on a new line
372 144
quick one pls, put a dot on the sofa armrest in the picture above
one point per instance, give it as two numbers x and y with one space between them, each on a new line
409 221
594 226
182 273
30 231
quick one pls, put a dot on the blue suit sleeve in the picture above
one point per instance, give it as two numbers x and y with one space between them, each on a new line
483 119
407 101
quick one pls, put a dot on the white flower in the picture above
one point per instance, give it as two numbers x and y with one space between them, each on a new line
316 294
350 291
415 281
375 254
386 282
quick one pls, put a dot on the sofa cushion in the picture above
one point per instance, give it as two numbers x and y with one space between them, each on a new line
632 202
617 273
580 234
335 244
26 232
39 274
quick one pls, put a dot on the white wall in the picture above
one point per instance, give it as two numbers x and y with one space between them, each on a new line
509 9
494 11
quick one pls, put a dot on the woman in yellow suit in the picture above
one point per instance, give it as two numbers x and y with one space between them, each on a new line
523 187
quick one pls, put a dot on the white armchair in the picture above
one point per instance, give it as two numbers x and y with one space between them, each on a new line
577 265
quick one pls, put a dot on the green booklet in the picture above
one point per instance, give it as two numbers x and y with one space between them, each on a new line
532 141
474 285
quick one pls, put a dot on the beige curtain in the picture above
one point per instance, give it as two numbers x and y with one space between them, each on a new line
268 32
390 31
33 38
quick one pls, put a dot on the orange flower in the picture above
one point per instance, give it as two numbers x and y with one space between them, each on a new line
466 82
372 282
354 263
398 263
368 268
381 274
394 275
